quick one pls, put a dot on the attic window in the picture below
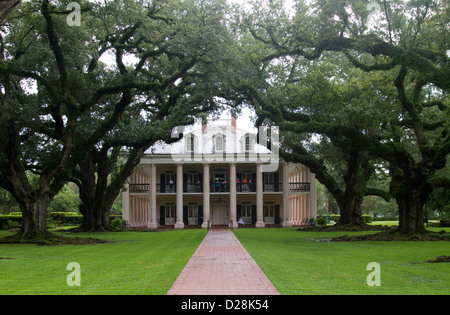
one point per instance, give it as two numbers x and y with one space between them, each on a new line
219 142
190 143
248 143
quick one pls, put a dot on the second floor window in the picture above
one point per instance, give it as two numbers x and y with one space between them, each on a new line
248 143
190 143
219 143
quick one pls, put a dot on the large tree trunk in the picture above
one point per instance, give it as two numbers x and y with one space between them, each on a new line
34 216
351 212
97 191
411 194
6 7
355 185
92 187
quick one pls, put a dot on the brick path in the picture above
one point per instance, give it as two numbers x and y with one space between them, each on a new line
222 266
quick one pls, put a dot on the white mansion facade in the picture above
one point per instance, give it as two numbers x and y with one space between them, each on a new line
216 175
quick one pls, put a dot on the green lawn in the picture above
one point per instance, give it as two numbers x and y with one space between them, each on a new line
300 263
296 263
137 263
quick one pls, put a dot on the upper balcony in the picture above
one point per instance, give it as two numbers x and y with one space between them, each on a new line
219 187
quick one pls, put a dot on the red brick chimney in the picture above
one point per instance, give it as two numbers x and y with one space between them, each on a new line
233 122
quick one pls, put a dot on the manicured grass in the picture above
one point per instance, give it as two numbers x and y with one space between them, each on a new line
296 263
302 263
136 263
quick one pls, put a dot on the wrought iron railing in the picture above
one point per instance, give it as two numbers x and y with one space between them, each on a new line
139 188
273 187
220 188
299 187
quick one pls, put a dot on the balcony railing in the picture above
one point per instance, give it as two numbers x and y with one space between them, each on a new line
299 187
273 187
219 188
139 188
166 189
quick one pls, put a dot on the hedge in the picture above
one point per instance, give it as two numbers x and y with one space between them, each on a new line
367 218
5 218
57 218
66 218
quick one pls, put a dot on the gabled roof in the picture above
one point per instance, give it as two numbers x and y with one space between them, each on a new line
204 140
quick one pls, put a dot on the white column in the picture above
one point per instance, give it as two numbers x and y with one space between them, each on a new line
305 208
206 196
233 196
153 224
286 217
259 197
126 203
313 196
179 224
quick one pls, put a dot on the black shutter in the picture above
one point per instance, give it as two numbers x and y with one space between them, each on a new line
276 179
238 211
175 184
185 215
253 214
200 178
185 179
200 215
162 181
162 215
253 186
277 214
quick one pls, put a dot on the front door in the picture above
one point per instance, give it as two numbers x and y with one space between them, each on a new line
269 214
193 215
170 212
220 213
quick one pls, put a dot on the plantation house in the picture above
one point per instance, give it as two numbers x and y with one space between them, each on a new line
216 175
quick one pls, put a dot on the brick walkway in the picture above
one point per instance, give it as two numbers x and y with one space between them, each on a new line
222 266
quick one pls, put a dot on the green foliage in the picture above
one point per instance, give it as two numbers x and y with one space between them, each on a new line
11 225
54 219
6 221
116 223
7 202
66 200
379 207
321 221
65 218
367 218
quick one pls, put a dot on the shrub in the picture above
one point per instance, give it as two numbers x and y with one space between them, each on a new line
7 220
116 223
335 217
321 221
11 225
367 218
54 219
66 218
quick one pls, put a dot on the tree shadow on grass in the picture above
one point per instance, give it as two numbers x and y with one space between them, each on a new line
50 239
386 233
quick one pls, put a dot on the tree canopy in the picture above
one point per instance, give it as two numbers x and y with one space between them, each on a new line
375 89
355 87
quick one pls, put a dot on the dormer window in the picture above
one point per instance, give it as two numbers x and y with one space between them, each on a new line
219 142
248 143
190 143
